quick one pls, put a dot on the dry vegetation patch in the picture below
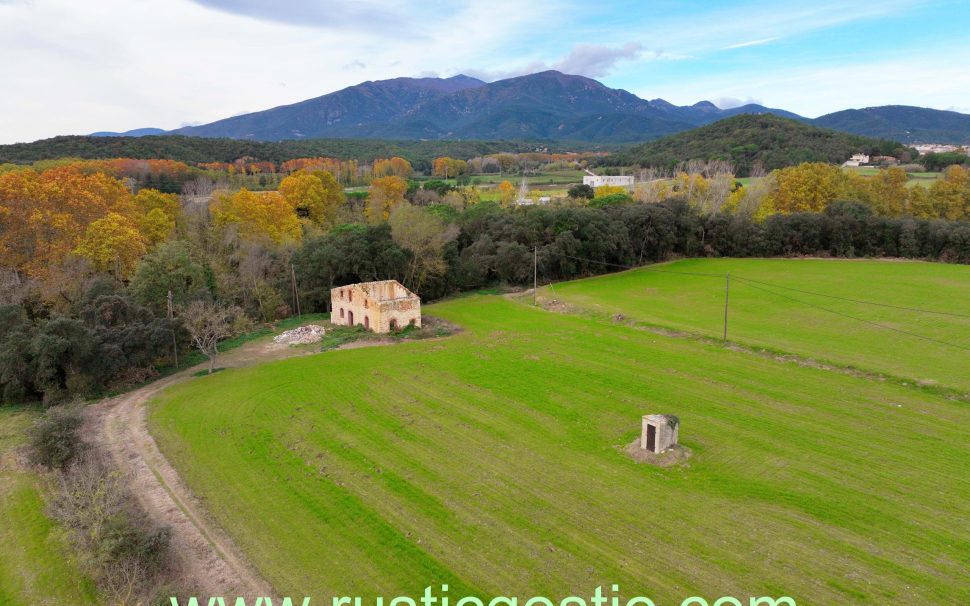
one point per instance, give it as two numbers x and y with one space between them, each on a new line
675 455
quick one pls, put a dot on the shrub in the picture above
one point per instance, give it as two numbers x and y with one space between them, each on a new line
581 191
55 440
611 200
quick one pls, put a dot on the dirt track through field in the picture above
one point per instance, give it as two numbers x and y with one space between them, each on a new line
209 561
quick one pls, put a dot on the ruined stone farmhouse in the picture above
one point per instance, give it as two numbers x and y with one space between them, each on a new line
379 306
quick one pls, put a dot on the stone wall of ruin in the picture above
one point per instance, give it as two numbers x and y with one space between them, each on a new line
368 311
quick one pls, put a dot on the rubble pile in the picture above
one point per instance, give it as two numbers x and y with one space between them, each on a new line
311 333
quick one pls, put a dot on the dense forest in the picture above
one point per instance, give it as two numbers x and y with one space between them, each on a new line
747 141
903 123
201 150
102 281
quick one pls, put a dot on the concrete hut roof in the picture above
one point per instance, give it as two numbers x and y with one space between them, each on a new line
663 419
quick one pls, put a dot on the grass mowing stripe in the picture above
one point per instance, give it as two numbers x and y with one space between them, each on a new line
512 427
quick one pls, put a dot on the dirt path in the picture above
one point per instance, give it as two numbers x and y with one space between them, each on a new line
209 560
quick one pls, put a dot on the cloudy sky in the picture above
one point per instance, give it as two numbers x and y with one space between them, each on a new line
77 66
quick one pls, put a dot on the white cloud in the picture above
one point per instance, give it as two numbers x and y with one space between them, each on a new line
718 30
79 67
751 43
595 61
731 102
324 14
590 60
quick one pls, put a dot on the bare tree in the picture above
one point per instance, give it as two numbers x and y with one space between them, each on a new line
209 323
718 189
757 170
426 236
652 185
755 192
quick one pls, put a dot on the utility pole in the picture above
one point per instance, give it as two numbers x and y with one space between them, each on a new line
727 297
535 274
171 315
296 294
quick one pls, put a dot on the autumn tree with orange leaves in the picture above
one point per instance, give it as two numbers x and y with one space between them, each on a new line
44 216
449 167
396 166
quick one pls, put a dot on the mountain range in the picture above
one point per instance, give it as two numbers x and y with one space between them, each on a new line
547 105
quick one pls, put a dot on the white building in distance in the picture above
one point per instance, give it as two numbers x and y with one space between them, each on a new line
857 160
595 181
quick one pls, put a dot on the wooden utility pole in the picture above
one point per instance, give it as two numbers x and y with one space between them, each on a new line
296 294
727 298
171 315
535 275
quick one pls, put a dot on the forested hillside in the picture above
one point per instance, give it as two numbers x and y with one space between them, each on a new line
747 140
903 123
198 149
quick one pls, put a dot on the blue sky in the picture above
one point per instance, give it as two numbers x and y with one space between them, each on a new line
119 64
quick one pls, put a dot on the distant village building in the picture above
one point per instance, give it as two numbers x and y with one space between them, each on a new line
378 306
601 180
525 199
857 160
935 148
531 201
659 432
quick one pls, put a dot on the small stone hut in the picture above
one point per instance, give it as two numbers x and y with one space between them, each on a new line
378 306
659 432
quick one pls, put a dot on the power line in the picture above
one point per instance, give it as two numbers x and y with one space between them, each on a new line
863 320
646 268
754 284
860 301
806 292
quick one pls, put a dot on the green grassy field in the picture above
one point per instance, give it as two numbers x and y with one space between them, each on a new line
34 566
492 194
553 177
491 461
915 178
785 320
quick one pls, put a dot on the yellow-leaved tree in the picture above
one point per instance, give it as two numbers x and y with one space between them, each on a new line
159 214
113 244
808 187
257 216
316 196
156 226
885 192
506 193
385 194
950 196
608 190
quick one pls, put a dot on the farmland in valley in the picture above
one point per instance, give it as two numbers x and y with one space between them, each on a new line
491 460
810 307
